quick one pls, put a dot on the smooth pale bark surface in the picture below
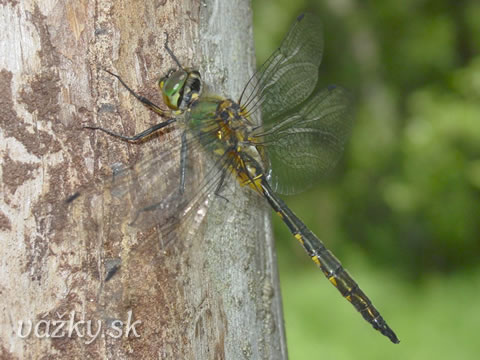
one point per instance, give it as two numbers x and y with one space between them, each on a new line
214 295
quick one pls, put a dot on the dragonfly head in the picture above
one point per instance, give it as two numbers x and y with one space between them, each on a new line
181 88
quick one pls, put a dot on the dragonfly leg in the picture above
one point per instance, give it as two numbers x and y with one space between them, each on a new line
136 137
170 52
145 102
221 185
140 98
183 162
151 207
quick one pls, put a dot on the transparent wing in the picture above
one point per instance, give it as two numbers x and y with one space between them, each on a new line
304 143
151 193
290 75
147 195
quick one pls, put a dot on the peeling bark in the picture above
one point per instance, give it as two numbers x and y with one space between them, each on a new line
212 296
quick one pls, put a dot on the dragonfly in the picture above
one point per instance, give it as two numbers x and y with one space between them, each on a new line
303 132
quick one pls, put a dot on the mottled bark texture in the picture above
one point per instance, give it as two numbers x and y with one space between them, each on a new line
213 295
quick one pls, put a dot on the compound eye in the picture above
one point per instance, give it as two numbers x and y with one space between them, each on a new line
191 90
171 87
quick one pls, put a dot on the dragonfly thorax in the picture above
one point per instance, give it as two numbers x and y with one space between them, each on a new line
234 130
234 125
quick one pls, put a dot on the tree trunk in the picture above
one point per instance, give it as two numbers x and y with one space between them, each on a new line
212 296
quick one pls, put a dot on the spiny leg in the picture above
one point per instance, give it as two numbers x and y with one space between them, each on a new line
170 52
136 137
221 184
140 98
183 162
145 102
148 104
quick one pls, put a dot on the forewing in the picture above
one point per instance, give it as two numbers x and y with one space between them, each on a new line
289 76
308 141
149 192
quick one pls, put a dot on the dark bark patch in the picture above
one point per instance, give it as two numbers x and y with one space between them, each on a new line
4 353
13 3
42 95
47 53
4 222
36 141
15 173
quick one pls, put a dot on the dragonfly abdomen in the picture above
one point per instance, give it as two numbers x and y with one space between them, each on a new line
329 264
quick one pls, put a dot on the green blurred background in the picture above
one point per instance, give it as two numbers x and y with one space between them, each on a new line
402 209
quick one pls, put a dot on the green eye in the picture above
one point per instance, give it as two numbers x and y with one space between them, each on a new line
180 88
174 83
172 86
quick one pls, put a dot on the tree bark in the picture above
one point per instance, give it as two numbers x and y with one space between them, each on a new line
212 296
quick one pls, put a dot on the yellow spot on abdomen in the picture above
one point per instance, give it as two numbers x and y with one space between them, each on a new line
333 280
299 238
316 260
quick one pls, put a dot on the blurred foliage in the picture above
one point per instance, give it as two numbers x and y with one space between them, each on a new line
402 210
408 189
